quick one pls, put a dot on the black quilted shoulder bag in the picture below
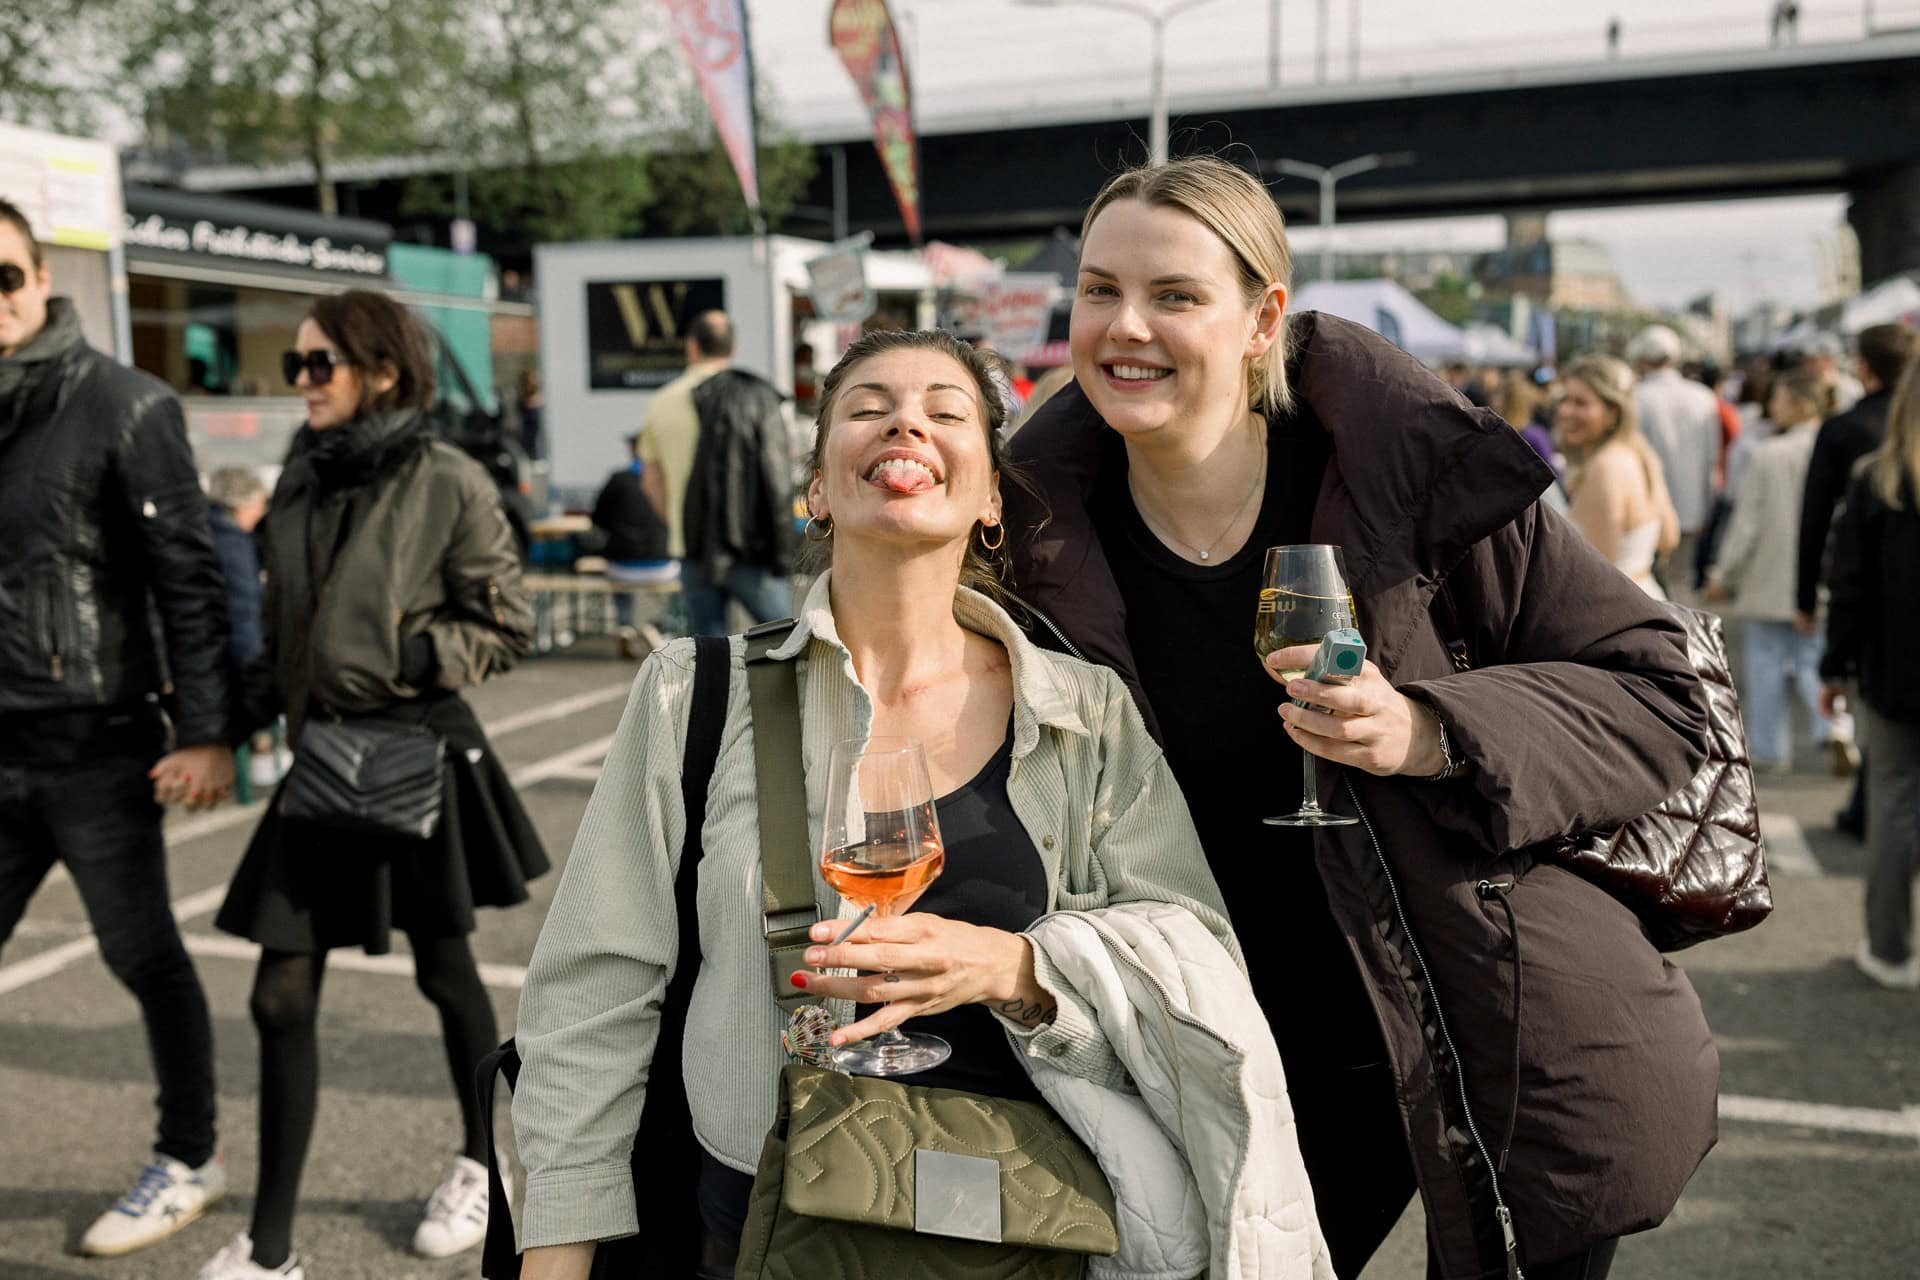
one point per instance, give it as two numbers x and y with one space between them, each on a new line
371 776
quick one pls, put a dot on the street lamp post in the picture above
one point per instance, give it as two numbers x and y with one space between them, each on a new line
1327 176
1156 17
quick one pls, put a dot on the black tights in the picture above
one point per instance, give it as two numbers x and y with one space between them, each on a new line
286 1007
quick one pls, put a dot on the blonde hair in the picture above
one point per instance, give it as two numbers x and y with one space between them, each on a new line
1612 381
1231 203
1896 464
1519 397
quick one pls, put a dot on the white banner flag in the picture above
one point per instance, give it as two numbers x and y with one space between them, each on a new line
714 34
837 281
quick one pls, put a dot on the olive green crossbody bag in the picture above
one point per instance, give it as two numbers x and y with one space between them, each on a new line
870 1179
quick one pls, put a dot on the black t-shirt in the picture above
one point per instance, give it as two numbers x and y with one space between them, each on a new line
1191 630
993 877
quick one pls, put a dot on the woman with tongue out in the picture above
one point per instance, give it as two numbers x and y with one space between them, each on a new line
1056 808
1206 425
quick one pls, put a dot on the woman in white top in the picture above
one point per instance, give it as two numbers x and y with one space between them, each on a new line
1753 570
1619 494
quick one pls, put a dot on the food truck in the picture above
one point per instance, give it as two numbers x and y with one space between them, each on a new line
613 327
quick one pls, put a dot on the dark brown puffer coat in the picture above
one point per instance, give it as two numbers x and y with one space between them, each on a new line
1582 712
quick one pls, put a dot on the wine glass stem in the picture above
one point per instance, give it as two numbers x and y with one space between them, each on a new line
1309 793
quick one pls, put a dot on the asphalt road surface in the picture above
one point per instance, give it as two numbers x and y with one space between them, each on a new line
1817 1173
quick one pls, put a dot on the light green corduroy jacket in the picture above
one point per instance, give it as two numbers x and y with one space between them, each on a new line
1087 782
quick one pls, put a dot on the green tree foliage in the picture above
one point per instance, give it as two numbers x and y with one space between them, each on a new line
578 119
264 82
698 193
1450 298
542 115
50 62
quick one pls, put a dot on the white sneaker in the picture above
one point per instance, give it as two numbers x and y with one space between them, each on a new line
457 1214
1904 976
166 1197
235 1262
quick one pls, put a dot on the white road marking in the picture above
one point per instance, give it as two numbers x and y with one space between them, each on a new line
1787 848
1904 1123
508 977
560 709
565 765
573 764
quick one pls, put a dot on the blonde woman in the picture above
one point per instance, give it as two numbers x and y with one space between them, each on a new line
1205 425
1619 493
1875 585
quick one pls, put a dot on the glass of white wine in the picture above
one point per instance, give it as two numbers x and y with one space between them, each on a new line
1303 595
880 847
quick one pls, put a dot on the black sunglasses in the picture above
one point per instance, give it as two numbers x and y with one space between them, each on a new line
13 277
318 363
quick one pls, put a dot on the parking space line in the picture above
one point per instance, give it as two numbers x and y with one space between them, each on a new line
572 764
1787 849
1904 1123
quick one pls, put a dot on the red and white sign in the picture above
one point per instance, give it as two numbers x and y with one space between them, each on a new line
714 34
1016 310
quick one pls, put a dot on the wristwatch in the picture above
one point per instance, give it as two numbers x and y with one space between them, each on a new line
1454 764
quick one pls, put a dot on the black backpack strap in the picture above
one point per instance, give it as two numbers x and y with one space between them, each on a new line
665 1186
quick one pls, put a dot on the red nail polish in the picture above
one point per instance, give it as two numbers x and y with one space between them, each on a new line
799 980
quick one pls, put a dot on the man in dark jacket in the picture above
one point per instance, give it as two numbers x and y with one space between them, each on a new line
111 602
1844 439
738 515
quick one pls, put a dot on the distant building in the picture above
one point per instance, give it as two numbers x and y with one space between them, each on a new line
1575 275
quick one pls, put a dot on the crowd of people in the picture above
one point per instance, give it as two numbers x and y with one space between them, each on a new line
1054 598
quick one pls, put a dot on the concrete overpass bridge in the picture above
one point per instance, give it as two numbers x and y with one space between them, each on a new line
1838 116
1812 118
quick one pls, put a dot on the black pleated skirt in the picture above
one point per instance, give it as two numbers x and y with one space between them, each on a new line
305 888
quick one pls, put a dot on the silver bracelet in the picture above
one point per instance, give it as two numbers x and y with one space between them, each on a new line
1454 763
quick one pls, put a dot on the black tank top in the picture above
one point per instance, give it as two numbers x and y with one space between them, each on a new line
994 878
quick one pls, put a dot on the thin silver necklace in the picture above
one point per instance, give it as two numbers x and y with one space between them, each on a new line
1206 553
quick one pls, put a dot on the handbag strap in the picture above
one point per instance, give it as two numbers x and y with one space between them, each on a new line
706 722
789 910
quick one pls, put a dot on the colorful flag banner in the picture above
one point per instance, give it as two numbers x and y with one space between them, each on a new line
862 31
714 34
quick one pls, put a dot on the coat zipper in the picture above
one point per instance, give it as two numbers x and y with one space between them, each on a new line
1058 634
1502 1214
56 667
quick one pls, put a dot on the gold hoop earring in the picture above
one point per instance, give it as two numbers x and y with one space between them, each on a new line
992 546
819 530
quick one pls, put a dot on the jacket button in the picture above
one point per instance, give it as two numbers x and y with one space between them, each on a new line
148 510
1046 842
1056 1050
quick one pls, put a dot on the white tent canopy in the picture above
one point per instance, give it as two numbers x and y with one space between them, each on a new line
1389 310
1490 344
1889 302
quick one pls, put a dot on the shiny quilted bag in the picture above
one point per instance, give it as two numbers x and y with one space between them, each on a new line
869 1179
374 777
1693 867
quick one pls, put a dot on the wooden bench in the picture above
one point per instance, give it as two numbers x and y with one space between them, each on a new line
589 583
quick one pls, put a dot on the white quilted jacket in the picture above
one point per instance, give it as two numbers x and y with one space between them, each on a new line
1197 1135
